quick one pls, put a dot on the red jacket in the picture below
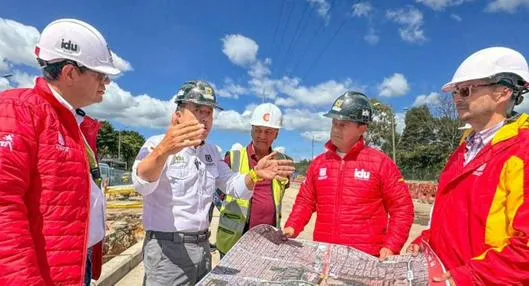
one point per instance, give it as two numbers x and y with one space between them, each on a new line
44 190
480 220
353 198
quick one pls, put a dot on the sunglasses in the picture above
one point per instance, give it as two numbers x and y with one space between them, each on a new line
466 91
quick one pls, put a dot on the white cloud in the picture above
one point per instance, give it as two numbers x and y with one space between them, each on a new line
394 86
362 9
440 5
241 50
23 80
236 146
365 9
138 111
145 111
323 8
411 21
260 69
280 149
322 94
456 17
290 88
305 120
263 87
287 102
371 37
509 6
231 90
4 84
318 136
17 79
523 107
120 63
434 98
232 120
17 44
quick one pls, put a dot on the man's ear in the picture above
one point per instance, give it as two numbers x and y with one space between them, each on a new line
68 74
175 119
504 94
363 128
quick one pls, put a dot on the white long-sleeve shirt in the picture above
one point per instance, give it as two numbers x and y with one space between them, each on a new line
180 199
96 232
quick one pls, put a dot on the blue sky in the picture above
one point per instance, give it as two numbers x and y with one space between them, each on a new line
299 54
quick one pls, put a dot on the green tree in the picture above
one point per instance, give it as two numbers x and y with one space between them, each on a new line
302 166
429 139
419 128
107 143
419 157
447 125
131 142
380 130
109 139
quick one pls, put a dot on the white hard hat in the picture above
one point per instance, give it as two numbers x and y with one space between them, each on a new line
77 41
267 115
488 62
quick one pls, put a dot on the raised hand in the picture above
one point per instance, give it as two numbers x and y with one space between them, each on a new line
270 168
181 135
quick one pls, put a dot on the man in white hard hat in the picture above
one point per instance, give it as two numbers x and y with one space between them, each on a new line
177 173
48 168
480 221
239 215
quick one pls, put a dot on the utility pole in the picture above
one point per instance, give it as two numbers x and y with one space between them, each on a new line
119 145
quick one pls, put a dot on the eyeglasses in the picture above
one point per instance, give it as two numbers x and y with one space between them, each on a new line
83 69
100 76
466 91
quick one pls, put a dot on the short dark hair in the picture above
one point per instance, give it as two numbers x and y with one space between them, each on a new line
180 105
52 71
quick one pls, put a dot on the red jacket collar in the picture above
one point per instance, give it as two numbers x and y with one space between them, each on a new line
43 89
352 153
90 127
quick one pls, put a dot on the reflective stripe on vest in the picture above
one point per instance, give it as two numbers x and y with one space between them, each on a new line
234 213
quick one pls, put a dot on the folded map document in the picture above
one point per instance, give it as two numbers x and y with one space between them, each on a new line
261 257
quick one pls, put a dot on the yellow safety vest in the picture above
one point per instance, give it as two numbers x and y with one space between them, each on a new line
234 213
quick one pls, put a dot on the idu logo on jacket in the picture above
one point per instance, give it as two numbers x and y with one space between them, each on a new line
61 144
323 174
362 175
7 142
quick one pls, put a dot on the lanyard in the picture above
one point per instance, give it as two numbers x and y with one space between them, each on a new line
92 161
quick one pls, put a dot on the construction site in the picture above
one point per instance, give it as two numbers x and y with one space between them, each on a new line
123 244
